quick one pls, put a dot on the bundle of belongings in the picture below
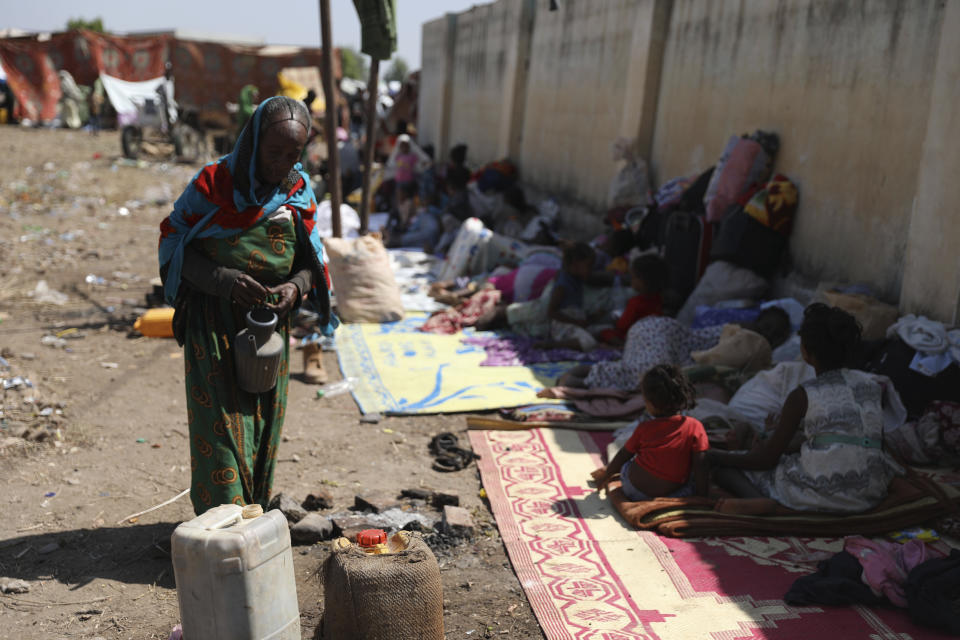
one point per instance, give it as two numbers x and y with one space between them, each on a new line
912 576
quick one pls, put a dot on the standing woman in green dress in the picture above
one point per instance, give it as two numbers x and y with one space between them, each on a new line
242 235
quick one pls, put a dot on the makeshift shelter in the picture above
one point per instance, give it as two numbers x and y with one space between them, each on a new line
208 74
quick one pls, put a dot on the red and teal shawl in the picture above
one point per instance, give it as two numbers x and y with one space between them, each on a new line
222 200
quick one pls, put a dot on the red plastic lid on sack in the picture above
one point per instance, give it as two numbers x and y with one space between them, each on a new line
371 537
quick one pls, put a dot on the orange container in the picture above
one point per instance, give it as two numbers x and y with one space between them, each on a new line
156 323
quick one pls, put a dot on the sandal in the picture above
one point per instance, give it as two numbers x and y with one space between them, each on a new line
443 442
448 456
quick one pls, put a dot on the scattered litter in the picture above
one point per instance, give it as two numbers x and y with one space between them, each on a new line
176 633
123 211
337 388
94 279
109 365
48 548
43 294
141 440
49 494
388 430
12 585
371 418
16 383
53 341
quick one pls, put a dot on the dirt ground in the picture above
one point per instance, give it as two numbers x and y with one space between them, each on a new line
102 432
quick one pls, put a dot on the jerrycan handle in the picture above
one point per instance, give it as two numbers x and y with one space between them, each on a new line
219 518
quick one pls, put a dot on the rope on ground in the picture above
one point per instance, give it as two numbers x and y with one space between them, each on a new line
155 507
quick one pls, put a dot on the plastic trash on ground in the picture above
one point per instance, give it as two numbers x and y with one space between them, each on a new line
337 388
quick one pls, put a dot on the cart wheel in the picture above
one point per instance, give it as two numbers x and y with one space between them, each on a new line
131 139
188 144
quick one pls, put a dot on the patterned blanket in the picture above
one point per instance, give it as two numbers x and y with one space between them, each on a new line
588 574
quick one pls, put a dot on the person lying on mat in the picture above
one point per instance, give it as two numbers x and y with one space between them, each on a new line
840 465
664 456
661 339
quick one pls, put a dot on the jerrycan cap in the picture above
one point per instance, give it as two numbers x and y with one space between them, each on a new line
371 537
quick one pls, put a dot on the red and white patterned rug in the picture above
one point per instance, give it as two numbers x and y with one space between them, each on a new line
588 575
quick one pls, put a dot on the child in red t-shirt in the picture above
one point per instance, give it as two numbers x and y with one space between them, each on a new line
648 277
664 456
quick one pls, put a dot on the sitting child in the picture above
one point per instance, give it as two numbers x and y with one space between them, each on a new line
664 456
568 320
406 204
648 277
839 465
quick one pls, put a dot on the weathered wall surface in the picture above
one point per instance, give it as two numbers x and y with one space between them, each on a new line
845 84
931 279
576 89
862 92
483 39
433 114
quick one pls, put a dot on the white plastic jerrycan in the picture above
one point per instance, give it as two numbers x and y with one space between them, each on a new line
235 578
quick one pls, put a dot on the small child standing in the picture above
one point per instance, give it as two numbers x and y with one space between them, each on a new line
648 277
406 163
565 311
664 456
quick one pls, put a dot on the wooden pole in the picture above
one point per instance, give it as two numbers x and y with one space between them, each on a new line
330 95
372 87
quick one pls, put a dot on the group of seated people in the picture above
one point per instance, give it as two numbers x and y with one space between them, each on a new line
823 451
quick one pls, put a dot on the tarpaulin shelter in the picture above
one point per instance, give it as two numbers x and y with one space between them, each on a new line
208 74
32 63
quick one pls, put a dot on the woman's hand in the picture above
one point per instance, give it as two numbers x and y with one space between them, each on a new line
287 294
247 292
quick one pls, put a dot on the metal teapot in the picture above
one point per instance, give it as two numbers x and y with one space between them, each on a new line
258 350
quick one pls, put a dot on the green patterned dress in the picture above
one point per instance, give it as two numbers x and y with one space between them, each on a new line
234 434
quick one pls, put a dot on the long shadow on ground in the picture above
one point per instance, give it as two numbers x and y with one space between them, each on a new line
134 554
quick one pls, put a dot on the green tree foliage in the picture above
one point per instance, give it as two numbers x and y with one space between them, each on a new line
80 23
398 70
354 64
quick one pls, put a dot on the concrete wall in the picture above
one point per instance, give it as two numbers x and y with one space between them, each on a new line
931 279
436 71
576 88
484 36
845 84
862 93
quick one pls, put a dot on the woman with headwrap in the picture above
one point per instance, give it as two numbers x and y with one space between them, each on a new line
249 97
242 235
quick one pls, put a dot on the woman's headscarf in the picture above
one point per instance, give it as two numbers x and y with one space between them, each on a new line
225 198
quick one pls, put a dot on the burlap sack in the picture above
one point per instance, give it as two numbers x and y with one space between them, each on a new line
738 348
362 280
873 315
382 597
